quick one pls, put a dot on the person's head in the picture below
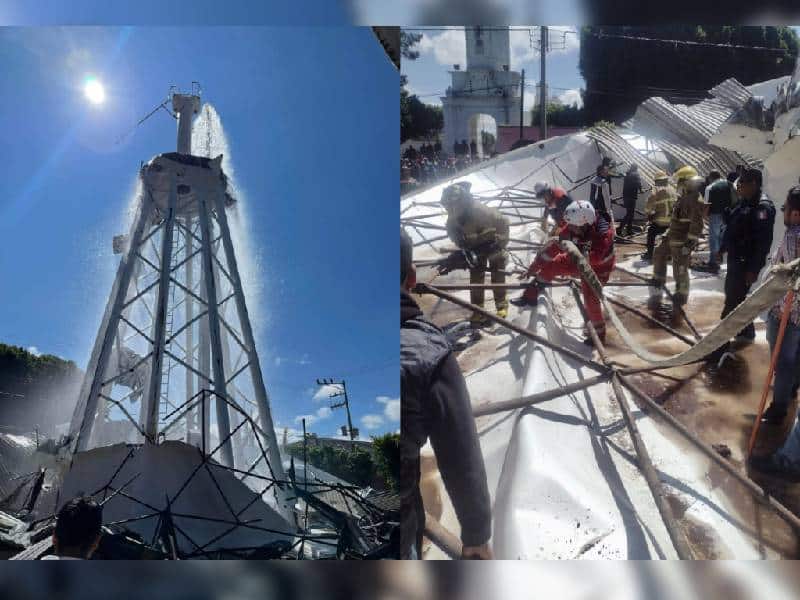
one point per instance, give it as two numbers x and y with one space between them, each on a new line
541 189
740 169
713 176
602 170
749 183
633 169
408 275
456 197
579 216
77 532
682 176
791 210
661 179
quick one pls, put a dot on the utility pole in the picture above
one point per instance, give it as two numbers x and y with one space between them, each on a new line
543 83
353 433
521 101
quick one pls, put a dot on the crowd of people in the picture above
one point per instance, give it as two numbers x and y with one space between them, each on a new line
435 401
428 164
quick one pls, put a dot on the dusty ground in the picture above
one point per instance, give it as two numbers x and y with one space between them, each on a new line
719 406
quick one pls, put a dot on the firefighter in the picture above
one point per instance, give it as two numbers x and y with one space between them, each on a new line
593 234
659 211
556 201
681 238
481 235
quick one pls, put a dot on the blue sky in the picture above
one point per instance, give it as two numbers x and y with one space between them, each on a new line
307 113
428 76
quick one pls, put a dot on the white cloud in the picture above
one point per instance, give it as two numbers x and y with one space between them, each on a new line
323 412
571 97
304 360
371 421
521 50
391 408
448 48
564 43
326 390
34 350
278 361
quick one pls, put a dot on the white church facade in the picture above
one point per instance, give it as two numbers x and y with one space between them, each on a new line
487 88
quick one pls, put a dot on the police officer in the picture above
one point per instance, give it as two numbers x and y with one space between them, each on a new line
659 211
681 239
481 234
747 239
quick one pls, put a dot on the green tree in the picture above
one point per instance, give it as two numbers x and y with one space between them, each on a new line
386 450
37 390
417 119
621 73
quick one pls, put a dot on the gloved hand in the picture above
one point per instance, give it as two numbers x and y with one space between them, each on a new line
443 268
688 247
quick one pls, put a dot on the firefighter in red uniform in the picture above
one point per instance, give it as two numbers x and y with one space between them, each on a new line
556 200
595 238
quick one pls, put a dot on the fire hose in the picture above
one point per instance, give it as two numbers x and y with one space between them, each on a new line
781 278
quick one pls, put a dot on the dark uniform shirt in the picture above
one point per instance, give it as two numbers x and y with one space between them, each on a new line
631 186
720 196
435 404
748 236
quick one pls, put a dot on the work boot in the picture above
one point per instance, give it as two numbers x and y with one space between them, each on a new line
774 415
530 297
478 320
647 256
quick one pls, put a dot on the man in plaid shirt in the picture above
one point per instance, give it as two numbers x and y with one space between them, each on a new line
787 458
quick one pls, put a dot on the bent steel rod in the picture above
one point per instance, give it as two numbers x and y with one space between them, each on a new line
427 288
757 491
495 286
676 534
650 319
524 401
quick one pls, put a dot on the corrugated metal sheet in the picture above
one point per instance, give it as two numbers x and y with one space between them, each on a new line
732 93
620 149
682 131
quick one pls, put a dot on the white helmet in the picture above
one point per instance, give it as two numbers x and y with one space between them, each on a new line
579 213
540 187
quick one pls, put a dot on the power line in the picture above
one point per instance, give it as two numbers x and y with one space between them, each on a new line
686 42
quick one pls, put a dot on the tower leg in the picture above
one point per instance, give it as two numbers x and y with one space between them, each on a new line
152 398
265 415
218 369
86 409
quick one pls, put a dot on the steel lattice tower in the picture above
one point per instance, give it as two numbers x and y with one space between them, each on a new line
175 357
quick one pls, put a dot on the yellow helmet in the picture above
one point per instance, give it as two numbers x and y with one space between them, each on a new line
661 177
684 173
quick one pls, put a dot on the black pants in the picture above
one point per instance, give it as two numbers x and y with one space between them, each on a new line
652 231
736 290
627 220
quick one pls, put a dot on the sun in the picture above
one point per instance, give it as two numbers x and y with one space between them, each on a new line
93 90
